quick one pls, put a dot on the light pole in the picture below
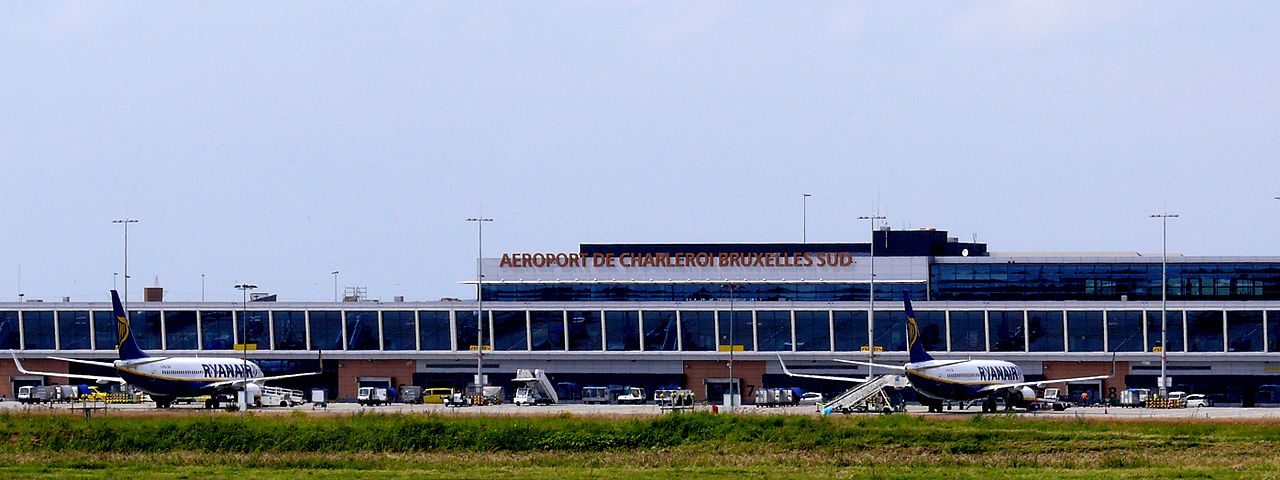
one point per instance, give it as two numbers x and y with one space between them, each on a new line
1164 297
335 284
125 298
804 217
244 341
871 297
114 276
480 301
201 288
733 399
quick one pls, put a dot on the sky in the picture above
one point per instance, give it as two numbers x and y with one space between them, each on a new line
276 142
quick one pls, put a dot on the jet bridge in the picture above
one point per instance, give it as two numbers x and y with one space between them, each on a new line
539 387
867 396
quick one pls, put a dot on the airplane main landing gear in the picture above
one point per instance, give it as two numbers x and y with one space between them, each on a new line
989 405
934 405
163 402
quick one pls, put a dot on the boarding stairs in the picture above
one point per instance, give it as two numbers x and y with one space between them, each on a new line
867 396
535 379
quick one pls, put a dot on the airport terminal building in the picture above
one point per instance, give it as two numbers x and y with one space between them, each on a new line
653 315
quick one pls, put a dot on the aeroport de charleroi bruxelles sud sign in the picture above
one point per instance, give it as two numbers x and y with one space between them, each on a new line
677 260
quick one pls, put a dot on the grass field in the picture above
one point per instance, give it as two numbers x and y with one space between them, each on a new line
688 445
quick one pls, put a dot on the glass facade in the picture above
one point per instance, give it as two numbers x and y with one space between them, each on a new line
9 338
257 331
290 329
967 333
546 330
1173 331
145 326
180 330
1204 329
1124 331
73 330
216 330
622 330
433 330
399 331
465 330
932 326
1103 281
660 333
1006 331
362 330
510 330
774 331
813 331
1273 330
742 334
37 330
104 331
850 330
698 331
1244 331
1045 331
891 330
585 330
326 330
1084 331
692 292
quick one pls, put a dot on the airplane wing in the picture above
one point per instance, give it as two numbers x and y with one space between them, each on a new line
881 365
96 378
819 377
241 381
992 388
87 362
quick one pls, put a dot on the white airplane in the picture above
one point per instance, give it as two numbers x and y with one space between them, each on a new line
938 381
167 378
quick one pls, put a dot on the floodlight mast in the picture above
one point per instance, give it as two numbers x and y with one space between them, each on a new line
480 221
1164 298
871 297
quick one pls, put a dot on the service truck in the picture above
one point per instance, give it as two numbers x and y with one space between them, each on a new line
371 396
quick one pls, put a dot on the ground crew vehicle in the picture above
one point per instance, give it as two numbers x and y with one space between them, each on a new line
596 395
410 394
436 395
633 395
373 396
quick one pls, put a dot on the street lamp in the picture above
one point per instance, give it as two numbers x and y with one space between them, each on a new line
733 399
244 341
335 284
804 217
126 221
1164 296
871 304
201 288
480 301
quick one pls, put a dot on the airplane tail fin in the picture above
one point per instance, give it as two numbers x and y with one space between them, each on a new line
914 345
127 346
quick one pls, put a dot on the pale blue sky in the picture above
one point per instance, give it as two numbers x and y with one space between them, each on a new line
274 142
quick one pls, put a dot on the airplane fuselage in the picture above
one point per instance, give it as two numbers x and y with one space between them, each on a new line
950 380
184 376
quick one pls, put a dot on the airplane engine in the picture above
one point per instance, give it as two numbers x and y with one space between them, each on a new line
255 390
1027 394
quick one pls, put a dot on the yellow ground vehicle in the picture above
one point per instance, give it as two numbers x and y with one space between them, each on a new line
96 395
435 395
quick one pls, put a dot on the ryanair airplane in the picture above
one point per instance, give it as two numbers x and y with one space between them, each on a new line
167 378
938 381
